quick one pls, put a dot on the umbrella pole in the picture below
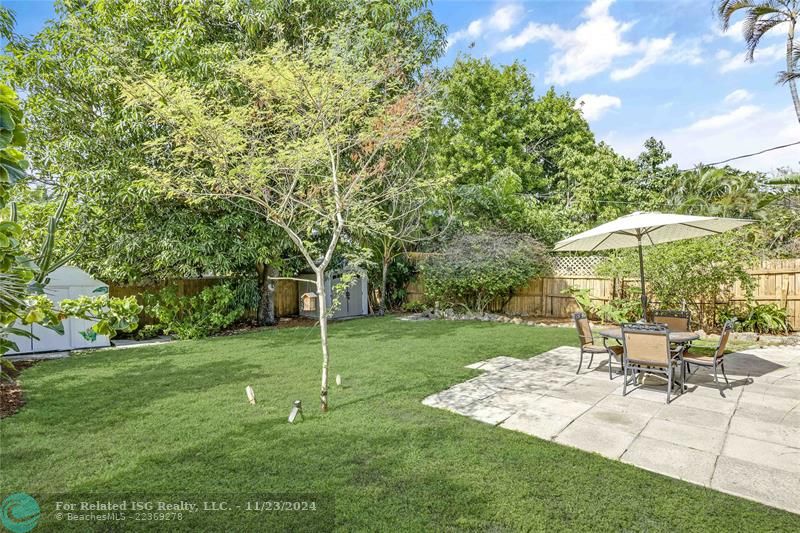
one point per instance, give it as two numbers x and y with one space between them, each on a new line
641 277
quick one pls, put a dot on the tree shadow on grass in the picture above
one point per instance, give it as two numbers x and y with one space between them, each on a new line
272 459
447 474
91 405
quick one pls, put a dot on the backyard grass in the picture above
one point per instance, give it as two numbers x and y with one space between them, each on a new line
172 421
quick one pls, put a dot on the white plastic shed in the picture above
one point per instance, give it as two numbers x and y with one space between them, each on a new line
65 282
353 302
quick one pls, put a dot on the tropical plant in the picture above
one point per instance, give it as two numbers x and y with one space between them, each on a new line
414 307
695 274
109 316
22 280
192 317
722 192
474 269
759 318
761 16
616 310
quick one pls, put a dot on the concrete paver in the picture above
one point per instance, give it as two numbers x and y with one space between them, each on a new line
745 441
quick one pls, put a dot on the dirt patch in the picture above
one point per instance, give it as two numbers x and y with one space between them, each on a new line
284 322
11 397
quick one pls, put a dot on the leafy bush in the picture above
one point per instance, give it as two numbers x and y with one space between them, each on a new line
474 269
688 273
615 310
246 292
110 315
414 307
192 317
764 318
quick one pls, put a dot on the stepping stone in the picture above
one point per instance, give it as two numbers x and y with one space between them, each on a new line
763 453
698 438
671 459
606 441
543 425
694 417
771 486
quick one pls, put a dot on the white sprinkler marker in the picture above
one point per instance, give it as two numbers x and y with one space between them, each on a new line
339 380
251 395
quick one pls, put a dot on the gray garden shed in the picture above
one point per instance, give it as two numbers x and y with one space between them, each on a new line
352 302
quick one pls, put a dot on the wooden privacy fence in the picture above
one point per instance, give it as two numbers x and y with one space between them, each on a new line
286 297
776 281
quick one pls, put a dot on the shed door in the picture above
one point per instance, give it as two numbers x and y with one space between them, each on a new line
350 303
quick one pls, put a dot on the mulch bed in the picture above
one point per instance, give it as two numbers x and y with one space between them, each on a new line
11 397
285 322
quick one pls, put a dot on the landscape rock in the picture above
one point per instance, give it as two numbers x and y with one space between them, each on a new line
745 336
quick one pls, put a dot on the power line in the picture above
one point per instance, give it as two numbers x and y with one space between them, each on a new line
746 155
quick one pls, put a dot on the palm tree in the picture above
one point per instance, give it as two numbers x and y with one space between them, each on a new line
760 17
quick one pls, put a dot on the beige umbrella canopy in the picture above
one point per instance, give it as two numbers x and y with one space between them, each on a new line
644 229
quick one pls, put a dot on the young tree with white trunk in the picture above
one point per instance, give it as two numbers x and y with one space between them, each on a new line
307 140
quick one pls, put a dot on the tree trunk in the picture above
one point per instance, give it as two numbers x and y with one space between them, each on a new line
323 333
266 304
384 276
790 68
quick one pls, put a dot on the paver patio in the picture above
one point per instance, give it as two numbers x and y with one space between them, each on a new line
746 442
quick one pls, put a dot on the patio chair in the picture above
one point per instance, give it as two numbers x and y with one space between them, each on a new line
588 345
716 359
675 320
647 349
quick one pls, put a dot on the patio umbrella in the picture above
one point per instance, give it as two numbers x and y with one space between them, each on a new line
643 229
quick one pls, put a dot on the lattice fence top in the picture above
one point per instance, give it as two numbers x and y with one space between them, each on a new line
584 265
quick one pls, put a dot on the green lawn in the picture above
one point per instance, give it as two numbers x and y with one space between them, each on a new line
172 421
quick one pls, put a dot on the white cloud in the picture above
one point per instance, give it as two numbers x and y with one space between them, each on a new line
654 50
505 17
767 54
595 44
595 106
716 122
745 130
738 96
502 19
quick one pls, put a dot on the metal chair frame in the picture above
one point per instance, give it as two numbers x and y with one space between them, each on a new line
672 358
719 354
673 313
589 341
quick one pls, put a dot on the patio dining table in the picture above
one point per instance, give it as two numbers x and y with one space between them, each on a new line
675 337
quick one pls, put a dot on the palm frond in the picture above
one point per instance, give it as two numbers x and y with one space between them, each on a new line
787 76
793 180
755 28
727 8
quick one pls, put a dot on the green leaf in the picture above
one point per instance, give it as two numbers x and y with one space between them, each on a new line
6 120
57 327
89 335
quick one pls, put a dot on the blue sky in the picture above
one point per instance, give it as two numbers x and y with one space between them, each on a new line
641 68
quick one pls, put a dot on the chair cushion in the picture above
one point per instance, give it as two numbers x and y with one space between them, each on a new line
594 348
698 358
654 364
